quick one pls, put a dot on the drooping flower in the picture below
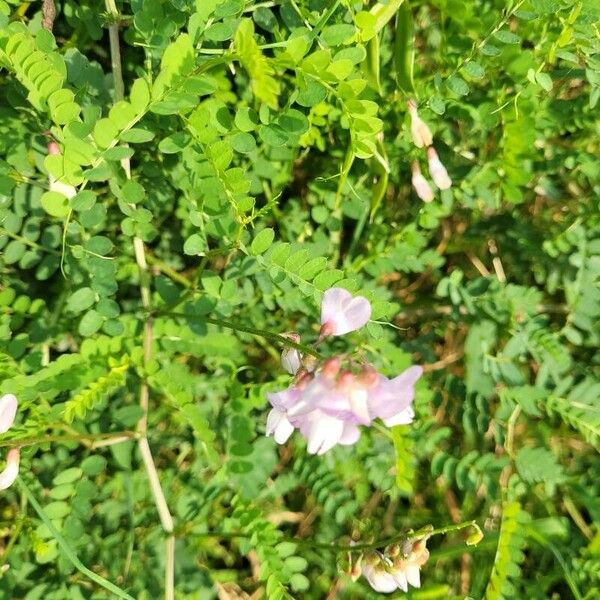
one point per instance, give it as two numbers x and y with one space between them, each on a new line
389 572
10 472
8 411
341 312
55 185
421 134
437 170
420 184
291 359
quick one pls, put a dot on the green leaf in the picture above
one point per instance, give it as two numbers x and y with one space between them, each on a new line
90 323
136 135
243 143
474 69
538 464
273 135
55 204
507 37
457 85
264 85
81 300
263 241
83 200
544 80
195 245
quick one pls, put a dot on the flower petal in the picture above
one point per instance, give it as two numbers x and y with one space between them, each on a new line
380 580
8 476
404 417
391 397
413 575
350 435
343 312
400 579
325 432
8 411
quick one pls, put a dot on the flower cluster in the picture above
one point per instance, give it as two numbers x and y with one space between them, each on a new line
422 138
328 401
8 412
397 568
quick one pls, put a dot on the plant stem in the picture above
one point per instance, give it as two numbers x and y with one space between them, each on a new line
424 532
274 337
66 548
46 439
140 256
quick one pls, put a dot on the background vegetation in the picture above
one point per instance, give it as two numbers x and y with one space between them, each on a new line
232 160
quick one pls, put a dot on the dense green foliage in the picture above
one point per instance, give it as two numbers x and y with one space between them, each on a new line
232 160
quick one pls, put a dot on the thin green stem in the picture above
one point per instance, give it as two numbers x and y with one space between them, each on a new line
30 243
424 532
274 337
47 439
540 539
66 548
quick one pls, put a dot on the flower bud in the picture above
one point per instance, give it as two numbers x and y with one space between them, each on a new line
368 376
421 134
420 184
345 380
355 571
290 360
437 170
331 367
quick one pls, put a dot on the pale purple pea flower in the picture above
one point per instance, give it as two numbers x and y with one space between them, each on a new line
419 130
387 573
437 170
341 312
327 407
420 184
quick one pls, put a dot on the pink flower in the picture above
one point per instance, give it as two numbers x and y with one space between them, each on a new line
328 406
8 411
437 170
341 312
8 476
420 184
421 134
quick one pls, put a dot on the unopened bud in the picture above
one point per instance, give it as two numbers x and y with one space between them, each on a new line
368 376
393 551
346 380
291 360
437 170
355 571
331 367
421 134
420 184
326 330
